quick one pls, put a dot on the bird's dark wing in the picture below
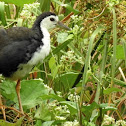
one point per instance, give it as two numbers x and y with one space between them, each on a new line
16 48
18 33
3 38
3 32
13 34
11 56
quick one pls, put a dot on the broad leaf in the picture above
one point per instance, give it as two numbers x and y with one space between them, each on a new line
110 90
62 37
48 123
59 48
66 80
53 67
45 5
19 2
30 92
43 113
8 90
119 52
2 13
67 6
6 123
53 96
90 107
71 105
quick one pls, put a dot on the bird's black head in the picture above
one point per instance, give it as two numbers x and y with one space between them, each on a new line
48 20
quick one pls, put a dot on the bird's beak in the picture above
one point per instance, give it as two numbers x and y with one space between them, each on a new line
60 24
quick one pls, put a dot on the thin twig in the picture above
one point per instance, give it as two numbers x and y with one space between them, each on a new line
99 14
124 78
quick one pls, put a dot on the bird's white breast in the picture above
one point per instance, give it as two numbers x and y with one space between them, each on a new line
37 57
43 50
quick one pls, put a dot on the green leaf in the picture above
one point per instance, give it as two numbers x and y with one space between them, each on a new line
43 113
120 52
69 37
19 121
2 13
113 67
38 123
53 67
57 122
107 106
8 11
19 2
90 107
87 66
116 81
124 48
67 80
7 89
5 123
31 90
44 97
48 123
71 105
52 62
88 55
62 37
110 90
45 5
19 22
59 48
67 6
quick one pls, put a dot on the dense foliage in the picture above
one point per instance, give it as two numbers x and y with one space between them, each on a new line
54 93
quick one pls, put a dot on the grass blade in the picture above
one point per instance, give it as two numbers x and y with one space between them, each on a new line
45 5
19 2
19 22
114 53
114 46
88 56
87 65
100 82
92 53
7 9
124 47
58 49
67 6
2 13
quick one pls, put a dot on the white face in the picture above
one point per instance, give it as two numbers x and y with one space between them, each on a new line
49 22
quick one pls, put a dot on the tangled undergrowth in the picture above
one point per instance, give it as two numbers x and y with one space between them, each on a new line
96 42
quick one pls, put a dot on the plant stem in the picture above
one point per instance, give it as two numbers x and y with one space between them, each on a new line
114 54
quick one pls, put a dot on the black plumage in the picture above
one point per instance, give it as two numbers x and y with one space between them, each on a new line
17 50
22 48
18 44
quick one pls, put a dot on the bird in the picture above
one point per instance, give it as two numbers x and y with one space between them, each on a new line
22 48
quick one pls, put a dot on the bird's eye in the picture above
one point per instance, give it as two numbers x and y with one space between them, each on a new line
52 19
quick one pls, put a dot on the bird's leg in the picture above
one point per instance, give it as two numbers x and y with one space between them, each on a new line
18 87
2 107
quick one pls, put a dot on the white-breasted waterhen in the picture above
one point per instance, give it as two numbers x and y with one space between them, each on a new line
22 48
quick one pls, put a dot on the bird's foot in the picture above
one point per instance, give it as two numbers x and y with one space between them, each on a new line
2 107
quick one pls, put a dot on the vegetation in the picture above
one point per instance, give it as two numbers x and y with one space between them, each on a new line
55 94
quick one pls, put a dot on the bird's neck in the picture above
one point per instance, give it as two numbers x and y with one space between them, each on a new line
44 31
40 29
